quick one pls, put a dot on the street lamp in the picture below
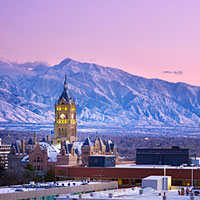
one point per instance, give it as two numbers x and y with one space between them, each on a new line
164 177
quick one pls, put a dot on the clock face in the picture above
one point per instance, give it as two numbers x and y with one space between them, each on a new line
62 116
72 116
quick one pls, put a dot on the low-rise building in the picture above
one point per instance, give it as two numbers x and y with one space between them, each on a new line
129 175
49 191
101 161
174 156
4 151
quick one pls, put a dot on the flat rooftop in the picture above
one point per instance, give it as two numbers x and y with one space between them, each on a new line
41 186
156 166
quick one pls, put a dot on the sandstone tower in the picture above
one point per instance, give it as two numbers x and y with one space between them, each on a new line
65 126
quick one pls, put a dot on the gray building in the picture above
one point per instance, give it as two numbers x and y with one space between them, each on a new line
174 156
101 161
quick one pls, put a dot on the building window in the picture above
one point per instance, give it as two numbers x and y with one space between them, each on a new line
59 134
38 159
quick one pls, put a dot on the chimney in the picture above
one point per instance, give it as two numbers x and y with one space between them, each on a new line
13 150
23 147
48 138
73 150
62 150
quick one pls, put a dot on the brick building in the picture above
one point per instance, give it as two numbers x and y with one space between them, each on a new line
131 175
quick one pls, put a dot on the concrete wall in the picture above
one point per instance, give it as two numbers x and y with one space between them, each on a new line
166 183
158 183
58 190
154 183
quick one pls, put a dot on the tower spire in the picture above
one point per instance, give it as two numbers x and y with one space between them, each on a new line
65 83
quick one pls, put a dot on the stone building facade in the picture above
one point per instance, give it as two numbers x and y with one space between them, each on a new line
46 156
65 148
65 126
97 148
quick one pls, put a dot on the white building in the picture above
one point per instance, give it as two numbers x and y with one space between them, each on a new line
157 182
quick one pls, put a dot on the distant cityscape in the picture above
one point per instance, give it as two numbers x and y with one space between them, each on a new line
29 158
99 100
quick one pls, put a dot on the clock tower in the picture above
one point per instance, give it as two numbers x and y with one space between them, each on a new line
65 126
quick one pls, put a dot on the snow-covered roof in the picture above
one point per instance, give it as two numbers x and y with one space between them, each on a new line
39 186
156 166
25 159
77 146
155 177
52 151
100 141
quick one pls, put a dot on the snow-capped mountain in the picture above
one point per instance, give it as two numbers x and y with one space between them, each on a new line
104 95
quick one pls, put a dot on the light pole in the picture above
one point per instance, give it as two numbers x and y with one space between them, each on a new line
164 177
164 187
192 165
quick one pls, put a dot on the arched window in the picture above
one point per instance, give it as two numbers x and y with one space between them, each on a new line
38 159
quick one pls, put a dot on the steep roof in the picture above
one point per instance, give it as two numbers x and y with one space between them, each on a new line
109 145
65 94
100 141
78 146
30 141
87 142
18 146
52 151
68 147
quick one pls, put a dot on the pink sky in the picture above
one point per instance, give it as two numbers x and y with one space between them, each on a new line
143 37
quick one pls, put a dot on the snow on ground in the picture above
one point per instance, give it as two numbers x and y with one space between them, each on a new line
133 193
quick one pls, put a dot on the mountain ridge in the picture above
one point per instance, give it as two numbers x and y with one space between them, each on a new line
103 95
